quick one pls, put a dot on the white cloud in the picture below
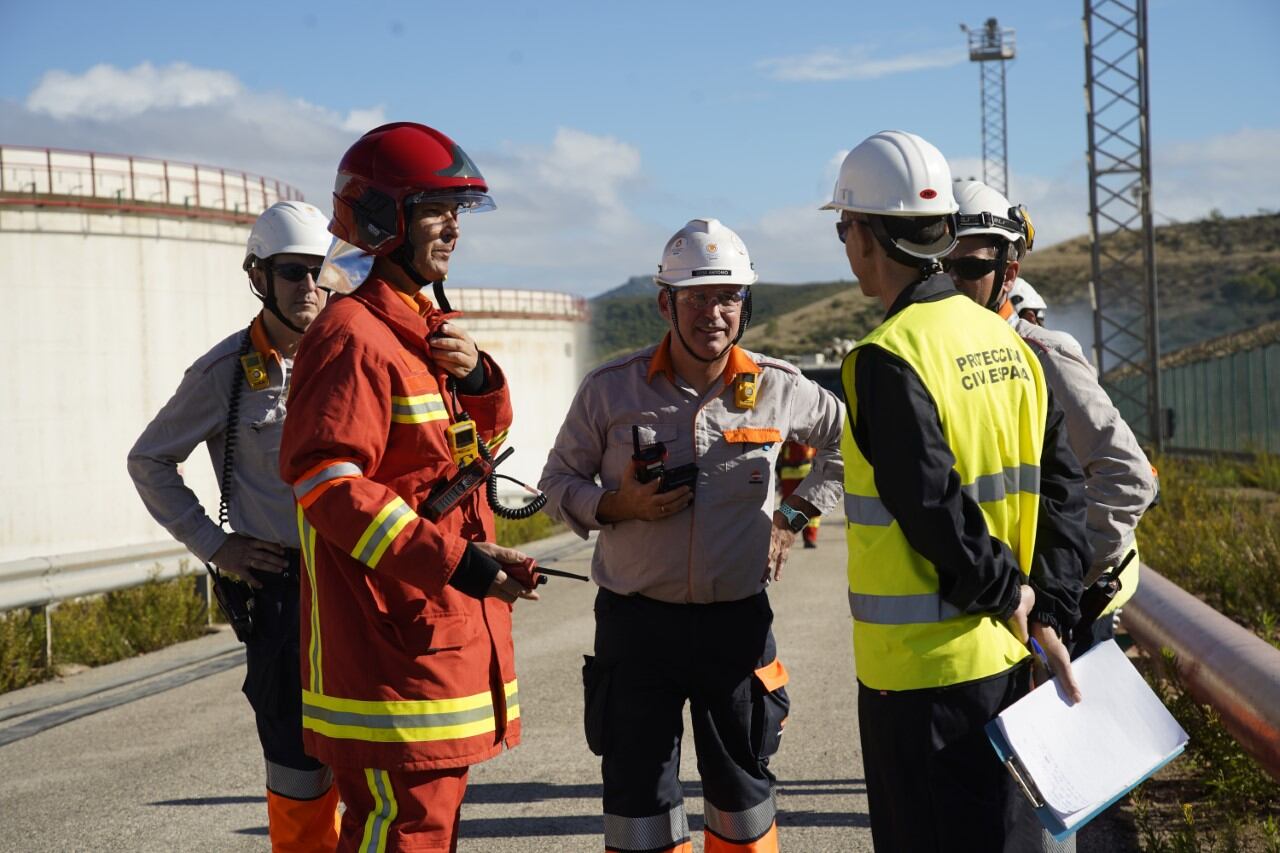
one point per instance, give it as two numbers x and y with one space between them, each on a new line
362 121
105 92
855 63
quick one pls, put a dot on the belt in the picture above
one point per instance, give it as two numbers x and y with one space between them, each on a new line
290 573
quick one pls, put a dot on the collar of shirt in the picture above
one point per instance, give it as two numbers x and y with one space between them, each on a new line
739 362
931 289
259 340
418 303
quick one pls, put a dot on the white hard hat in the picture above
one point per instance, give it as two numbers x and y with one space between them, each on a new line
894 173
293 227
1023 297
705 252
984 210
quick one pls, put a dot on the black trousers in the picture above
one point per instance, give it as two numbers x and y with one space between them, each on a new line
934 782
651 658
273 686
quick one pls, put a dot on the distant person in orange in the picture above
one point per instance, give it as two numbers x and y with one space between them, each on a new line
795 461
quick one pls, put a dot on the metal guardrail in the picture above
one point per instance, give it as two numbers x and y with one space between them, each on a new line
1220 663
41 581
55 177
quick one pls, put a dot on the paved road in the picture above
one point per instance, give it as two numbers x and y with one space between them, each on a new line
159 753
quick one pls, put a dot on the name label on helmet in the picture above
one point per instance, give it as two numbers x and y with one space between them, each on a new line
697 273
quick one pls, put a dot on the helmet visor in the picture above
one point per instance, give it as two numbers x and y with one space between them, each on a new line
466 199
345 268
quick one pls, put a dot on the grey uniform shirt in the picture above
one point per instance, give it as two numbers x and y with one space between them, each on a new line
261 503
717 549
1118 482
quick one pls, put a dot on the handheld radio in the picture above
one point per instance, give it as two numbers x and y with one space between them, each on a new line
1100 593
649 461
445 497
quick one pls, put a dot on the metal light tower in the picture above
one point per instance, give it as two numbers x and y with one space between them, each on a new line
991 47
1126 316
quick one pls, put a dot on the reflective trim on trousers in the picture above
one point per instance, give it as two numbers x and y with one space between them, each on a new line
382 531
383 813
1024 479
900 609
307 537
298 784
743 826
646 833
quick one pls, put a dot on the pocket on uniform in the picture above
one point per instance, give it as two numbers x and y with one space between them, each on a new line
770 706
595 696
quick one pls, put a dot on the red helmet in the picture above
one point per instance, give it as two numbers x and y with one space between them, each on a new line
392 167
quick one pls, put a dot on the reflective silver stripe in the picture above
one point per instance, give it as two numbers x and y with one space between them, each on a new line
399 721
740 827
333 472
900 609
646 833
424 407
378 822
860 509
1010 481
298 784
371 546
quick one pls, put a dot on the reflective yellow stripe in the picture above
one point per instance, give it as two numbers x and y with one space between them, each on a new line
405 721
418 410
383 813
382 531
498 439
794 472
307 538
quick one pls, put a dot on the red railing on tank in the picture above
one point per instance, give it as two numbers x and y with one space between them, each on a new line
58 177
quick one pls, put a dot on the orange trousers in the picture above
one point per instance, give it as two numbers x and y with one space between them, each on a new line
394 810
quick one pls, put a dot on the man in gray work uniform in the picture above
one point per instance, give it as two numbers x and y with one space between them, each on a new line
232 399
683 560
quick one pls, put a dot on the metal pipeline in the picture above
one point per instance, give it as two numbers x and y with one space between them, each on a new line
1220 663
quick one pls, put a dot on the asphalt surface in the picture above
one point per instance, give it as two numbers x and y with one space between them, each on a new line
160 752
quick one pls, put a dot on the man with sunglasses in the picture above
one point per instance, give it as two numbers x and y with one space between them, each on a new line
233 399
1118 479
954 458
669 452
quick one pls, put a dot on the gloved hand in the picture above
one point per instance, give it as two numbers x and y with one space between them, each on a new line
525 573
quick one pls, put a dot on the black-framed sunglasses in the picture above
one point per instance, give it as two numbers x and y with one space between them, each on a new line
970 269
295 272
842 229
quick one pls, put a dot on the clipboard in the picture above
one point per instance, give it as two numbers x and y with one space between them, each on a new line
1125 723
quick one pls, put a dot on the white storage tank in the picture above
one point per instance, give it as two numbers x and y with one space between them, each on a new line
117 272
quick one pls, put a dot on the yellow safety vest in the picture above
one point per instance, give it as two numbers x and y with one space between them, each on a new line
991 399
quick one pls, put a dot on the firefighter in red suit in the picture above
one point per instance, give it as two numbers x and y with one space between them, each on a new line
795 461
408 675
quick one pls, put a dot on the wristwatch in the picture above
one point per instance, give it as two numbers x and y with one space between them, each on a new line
796 520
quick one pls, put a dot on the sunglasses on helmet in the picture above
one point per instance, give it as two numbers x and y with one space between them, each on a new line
295 272
970 269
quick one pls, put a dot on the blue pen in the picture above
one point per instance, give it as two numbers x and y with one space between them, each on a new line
1040 656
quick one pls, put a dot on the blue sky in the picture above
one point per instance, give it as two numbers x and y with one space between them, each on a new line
602 127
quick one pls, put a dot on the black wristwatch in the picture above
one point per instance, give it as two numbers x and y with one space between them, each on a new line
796 520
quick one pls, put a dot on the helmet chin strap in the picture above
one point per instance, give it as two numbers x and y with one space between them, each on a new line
403 257
997 285
675 322
269 301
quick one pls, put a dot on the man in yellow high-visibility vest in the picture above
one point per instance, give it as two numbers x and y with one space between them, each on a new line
965 514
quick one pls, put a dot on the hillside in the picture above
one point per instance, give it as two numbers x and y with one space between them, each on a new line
1216 276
